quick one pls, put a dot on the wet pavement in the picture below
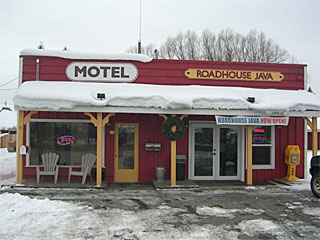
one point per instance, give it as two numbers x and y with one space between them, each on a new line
295 212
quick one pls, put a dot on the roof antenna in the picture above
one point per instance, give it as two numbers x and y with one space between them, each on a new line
139 43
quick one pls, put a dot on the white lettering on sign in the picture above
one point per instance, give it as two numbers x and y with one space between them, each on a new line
101 72
263 121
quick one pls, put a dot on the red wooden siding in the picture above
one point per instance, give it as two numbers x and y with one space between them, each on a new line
171 72
293 134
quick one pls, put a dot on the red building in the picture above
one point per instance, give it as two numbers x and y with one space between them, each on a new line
229 121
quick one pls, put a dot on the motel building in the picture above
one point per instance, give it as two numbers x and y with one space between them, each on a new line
200 120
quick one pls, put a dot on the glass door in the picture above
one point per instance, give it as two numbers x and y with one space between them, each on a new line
228 153
214 152
126 152
203 151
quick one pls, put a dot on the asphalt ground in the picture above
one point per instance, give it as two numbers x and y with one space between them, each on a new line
297 212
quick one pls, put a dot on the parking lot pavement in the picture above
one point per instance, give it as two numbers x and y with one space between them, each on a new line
268 212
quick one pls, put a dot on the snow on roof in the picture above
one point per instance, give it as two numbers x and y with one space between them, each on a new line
84 55
59 96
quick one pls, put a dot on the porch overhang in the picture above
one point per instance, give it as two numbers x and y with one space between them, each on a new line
150 110
162 100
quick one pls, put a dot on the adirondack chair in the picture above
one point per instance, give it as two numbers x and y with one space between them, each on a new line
88 161
49 162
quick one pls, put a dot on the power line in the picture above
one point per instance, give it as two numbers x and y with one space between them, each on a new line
8 82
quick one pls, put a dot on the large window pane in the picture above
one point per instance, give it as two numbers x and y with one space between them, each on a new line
261 135
70 140
261 155
203 151
228 152
261 145
126 147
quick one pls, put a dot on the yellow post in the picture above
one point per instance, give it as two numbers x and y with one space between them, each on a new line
19 144
99 149
249 155
314 136
173 159
99 123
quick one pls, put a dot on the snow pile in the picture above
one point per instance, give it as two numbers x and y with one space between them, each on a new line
256 226
312 211
7 164
84 55
8 119
227 213
68 95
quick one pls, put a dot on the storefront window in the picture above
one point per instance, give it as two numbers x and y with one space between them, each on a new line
69 139
262 147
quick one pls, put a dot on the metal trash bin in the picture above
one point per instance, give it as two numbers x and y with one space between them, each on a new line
159 173
180 167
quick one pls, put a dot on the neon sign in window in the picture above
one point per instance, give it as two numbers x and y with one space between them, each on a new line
65 140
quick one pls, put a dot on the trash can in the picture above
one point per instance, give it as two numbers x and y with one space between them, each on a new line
180 167
159 173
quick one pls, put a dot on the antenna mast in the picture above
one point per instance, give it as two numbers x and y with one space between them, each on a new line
139 43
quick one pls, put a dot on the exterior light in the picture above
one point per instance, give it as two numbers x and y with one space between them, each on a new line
101 96
251 99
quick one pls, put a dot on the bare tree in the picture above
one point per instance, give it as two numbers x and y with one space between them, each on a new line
225 46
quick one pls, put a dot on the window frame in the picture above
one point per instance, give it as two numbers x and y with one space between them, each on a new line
65 121
272 153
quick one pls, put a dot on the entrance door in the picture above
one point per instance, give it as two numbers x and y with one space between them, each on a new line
203 151
126 152
228 154
214 152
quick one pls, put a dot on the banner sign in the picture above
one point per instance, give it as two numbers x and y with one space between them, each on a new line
101 72
227 74
263 121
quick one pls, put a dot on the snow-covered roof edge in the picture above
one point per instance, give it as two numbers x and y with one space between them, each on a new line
85 55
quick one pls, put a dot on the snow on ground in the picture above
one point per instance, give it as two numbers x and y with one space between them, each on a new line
8 119
227 213
7 166
23 217
251 227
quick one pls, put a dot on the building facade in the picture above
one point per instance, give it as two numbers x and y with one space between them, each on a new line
235 120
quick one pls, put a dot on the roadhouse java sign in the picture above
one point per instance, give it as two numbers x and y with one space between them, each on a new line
101 72
227 74
241 120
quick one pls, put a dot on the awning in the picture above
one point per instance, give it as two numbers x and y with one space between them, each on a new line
163 99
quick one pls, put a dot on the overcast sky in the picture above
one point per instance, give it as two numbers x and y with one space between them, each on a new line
111 26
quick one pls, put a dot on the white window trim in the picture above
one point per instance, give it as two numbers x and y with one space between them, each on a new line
66 121
272 154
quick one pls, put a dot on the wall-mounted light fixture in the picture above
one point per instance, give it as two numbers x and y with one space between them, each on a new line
251 99
101 96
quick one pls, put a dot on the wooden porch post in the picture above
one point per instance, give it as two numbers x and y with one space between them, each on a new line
314 136
313 124
249 155
99 123
22 120
99 149
173 159
173 177
19 144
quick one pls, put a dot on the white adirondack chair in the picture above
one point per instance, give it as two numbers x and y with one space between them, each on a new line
88 161
49 165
